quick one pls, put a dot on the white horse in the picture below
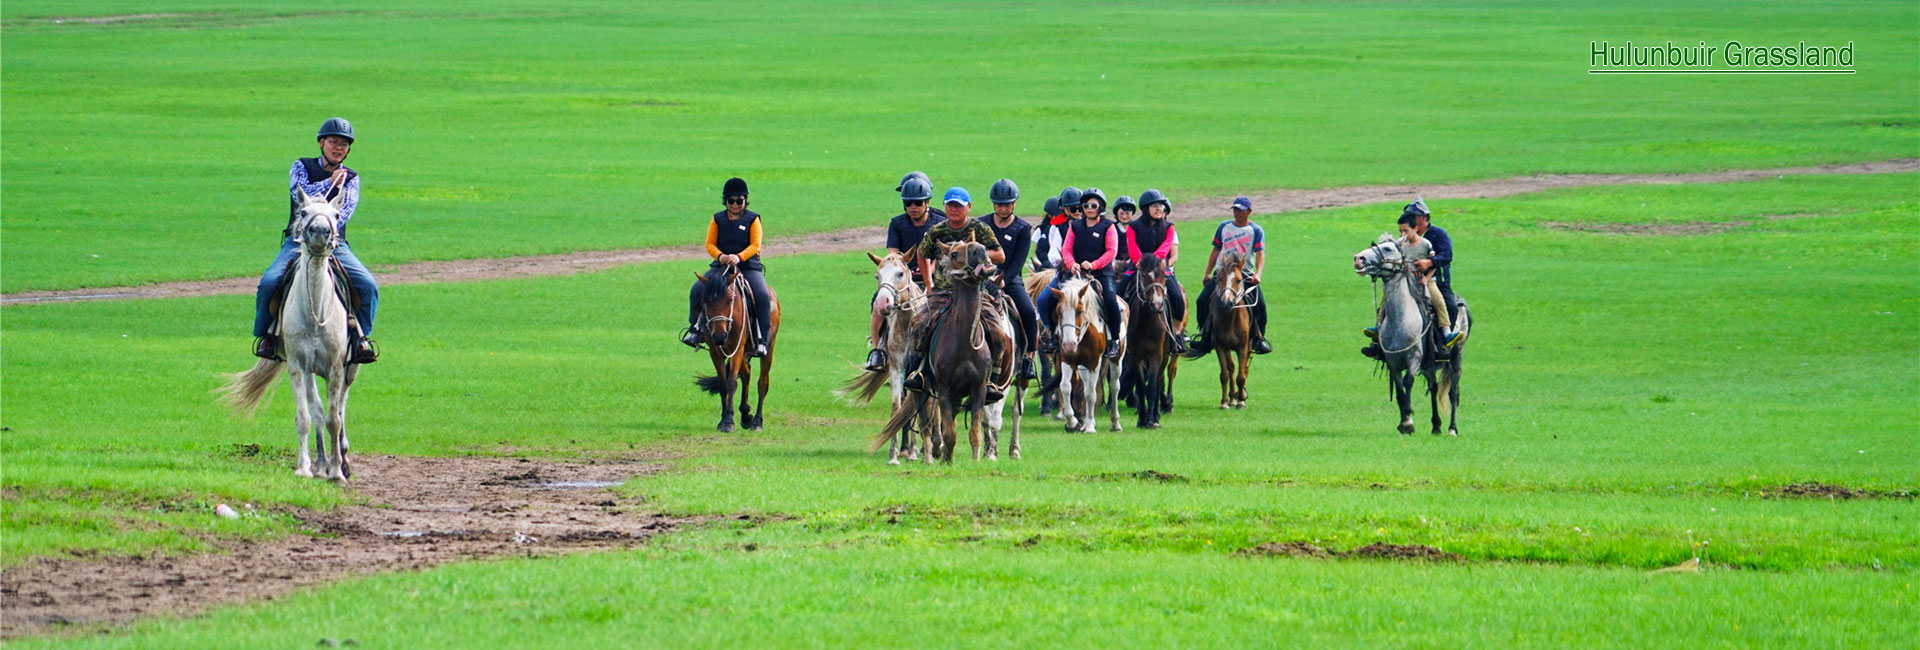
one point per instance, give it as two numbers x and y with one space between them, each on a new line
897 300
1084 337
313 338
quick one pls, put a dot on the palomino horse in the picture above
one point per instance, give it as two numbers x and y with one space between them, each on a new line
897 300
728 337
313 338
1407 338
1231 326
959 361
1149 330
1084 371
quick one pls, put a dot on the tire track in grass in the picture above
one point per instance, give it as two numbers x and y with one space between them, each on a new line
1269 202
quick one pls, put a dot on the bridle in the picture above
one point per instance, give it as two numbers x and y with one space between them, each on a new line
308 214
732 284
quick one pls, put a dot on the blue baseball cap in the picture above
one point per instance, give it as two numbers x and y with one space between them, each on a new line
958 195
1243 203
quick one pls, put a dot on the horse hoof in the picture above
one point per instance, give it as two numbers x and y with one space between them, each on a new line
724 428
1015 454
1406 429
303 473
1115 428
1224 406
1453 432
893 461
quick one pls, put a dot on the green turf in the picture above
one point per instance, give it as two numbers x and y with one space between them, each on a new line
1628 401
158 149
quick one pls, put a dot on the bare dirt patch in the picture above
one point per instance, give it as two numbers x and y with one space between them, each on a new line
1815 490
859 239
1287 549
1148 475
421 512
1375 551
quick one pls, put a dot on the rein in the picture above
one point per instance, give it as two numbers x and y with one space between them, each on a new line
1426 322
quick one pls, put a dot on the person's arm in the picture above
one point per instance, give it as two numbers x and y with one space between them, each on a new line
297 178
713 239
1211 259
1133 248
893 240
1066 250
353 200
995 253
926 270
753 242
1113 249
1172 246
1259 265
1442 248
1165 251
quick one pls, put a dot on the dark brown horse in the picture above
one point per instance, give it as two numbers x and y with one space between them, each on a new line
1144 371
728 341
1231 329
959 361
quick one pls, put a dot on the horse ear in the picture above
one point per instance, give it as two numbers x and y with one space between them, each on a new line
1056 293
300 198
699 278
339 201
876 260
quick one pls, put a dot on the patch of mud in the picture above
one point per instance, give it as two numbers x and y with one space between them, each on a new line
1376 551
1814 490
1417 552
1142 475
421 512
1267 202
1286 549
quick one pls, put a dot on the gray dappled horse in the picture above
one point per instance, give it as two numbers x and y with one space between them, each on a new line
897 299
313 340
1406 336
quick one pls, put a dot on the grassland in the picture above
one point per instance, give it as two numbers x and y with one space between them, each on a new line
155 148
1629 399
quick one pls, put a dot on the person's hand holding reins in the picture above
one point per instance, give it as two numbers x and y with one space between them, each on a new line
339 179
729 258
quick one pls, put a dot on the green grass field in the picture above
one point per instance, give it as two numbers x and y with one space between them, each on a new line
158 149
1631 400
1628 399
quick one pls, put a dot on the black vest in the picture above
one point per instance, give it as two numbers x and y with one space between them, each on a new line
735 235
1091 243
1148 236
316 173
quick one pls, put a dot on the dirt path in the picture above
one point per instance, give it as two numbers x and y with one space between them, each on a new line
421 512
874 238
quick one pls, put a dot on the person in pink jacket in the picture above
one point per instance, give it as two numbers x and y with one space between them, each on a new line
1153 234
1089 249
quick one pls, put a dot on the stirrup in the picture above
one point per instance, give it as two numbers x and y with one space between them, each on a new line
264 348
1372 332
759 350
1374 352
1261 346
876 360
691 337
364 352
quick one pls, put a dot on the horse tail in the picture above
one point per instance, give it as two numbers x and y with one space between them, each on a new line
711 383
915 403
244 391
863 386
1052 385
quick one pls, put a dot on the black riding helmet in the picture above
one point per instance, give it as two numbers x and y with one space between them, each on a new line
1126 202
735 186
1094 193
1003 192
336 126
1151 197
1053 207
911 175
916 188
1070 198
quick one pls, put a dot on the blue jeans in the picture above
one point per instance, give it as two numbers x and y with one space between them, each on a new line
357 276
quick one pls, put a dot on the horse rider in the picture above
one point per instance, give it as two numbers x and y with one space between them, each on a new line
1431 251
733 238
1090 246
328 176
957 227
1153 235
1237 235
904 233
1016 236
1046 244
1067 206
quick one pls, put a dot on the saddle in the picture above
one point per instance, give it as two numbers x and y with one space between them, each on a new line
342 289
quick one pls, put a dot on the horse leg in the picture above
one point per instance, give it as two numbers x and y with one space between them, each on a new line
1240 381
1450 382
1066 394
1019 404
1111 379
760 403
1226 377
353 372
1173 370
728 382
948 436
1090 396
1402 394
996 416
1433 400
1150 391
337 422
301 422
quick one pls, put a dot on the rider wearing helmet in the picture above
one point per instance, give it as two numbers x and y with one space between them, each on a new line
956 227
1016 236
1089 247
1153 235
904 233
733 238
1043 240
327 176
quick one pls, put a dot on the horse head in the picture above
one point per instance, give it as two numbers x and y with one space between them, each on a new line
1079 306
1381 260
894 279
966 261
317 226
1232 283
722 297
1150 283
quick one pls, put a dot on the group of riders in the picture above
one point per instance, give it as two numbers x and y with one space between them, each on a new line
1081 235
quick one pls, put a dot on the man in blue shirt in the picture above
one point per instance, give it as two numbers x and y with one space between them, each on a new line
326 176
1242 236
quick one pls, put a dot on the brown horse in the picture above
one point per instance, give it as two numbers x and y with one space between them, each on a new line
1084 338
1231 327
1145 366
728 339
959 361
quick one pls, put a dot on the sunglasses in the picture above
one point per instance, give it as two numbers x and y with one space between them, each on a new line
915 204
736 200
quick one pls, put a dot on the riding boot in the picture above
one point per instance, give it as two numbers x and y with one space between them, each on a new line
876 360
914 380
1026 369
759 350
1260 346
1373 351
267 347
359 348
1372 332
994 395
1113 351
692 337
1049 345
1199 346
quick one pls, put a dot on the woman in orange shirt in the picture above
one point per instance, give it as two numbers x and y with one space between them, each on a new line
733 238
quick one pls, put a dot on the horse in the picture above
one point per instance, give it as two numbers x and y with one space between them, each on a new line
1049 398
1407 338
1231 326
1006 362
897 300
1142 381
313 338
728 335
1084 370
960 363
